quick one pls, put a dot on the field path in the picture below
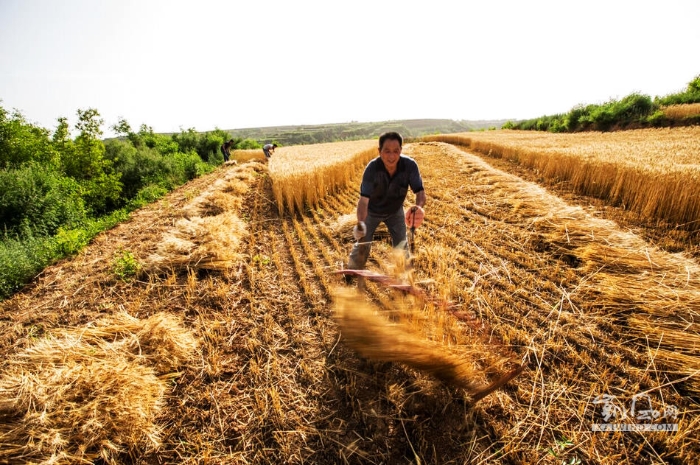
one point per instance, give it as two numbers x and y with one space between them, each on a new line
274 382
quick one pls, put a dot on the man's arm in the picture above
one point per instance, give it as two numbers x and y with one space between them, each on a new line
362 205
421 198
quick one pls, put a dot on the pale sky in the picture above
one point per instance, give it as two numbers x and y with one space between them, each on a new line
203 64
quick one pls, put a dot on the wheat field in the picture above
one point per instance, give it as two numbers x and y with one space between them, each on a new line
303 175
678 112
249 348
654 173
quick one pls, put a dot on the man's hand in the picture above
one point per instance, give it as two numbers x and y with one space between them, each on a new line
359 231
414 216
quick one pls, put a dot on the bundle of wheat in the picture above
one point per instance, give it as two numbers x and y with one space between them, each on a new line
246 155
91 393
210 232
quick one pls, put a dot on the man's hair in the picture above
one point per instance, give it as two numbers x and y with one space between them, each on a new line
390 136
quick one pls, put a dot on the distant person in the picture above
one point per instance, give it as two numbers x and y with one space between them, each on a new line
269 149
385 183
226 149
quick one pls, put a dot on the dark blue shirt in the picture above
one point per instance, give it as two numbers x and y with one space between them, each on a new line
387 193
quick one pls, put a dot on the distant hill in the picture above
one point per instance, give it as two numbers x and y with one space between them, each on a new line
315 134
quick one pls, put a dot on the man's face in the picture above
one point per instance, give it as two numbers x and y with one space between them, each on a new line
390 153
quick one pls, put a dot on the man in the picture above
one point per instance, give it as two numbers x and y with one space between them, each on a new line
226 149
269 149
385 183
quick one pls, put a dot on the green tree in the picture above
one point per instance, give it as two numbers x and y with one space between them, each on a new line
162 143
87 165
123 129
138 167
209 143
249 144
694 85
62 133
634 107
62 143
22 142
187 141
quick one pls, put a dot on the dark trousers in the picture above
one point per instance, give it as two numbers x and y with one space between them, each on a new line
395 223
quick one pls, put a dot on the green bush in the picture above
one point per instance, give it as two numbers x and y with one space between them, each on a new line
209 144
634 107
186 167
44 200
528 125
690 95
102 193
22 142
138 166
161 143
187 141
125 265
657 119
694 85
70 241
602 117
558 125
103 223
146 195
248 144
144 166
84 160
21 260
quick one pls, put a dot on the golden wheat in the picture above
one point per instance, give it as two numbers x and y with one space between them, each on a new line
210 231
302 175
91 393
681 111
374 336
245 155
654 173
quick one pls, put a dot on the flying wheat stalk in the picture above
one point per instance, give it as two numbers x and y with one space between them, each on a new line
375 337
